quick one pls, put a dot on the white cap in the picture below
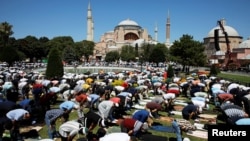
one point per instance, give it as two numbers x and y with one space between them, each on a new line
84 130
200 109
103 123
88 98
76 106
145 126
129 95
186 139
116 104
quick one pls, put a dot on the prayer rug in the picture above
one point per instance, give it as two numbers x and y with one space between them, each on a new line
207 116
198 133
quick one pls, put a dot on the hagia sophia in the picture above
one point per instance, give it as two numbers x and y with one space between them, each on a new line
129 32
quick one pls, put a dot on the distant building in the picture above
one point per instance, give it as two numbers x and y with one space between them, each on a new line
237 49
127 32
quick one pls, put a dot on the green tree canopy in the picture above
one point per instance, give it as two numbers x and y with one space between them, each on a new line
157 55
84 48
112 56
9 54
55 65
127 53
188 52
5 33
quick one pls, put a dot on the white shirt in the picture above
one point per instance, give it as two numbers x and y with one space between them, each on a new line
70 128
116 137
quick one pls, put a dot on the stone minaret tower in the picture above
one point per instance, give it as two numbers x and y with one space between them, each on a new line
90 25
156 32
168 31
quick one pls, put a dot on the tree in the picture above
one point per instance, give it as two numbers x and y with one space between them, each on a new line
11 56
127 53
170 71
84 48
157 56
55 65
146 51
69 55
112 56
5 33
188 52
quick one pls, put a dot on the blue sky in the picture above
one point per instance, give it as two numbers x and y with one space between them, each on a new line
52 18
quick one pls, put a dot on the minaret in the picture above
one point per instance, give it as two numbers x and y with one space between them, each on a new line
168 31
89 24
92 30
156 33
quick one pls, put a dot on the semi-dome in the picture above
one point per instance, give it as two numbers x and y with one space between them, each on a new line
245 44
128 22
230 30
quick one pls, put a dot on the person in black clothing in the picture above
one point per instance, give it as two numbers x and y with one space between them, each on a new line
91 120
190 111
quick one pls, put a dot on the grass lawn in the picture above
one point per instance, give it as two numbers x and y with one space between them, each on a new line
242 79
43 132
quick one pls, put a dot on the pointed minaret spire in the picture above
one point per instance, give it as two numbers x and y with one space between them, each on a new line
156 32
168 31
89 24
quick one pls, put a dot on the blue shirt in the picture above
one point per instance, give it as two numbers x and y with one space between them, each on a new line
94 97
16 114
126 94
67 105
141 115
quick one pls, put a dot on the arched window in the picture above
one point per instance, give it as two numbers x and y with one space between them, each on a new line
131 36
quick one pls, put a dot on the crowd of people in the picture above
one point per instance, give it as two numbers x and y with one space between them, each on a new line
27 99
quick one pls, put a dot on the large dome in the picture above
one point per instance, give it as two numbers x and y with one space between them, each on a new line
245 44
230 30
128 22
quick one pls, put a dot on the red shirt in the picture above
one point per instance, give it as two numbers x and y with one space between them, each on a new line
153 105
115 99
81 98
225 97
37 85
129 123
173 91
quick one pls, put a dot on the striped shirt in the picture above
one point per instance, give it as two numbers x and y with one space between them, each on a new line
233 112
53 114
